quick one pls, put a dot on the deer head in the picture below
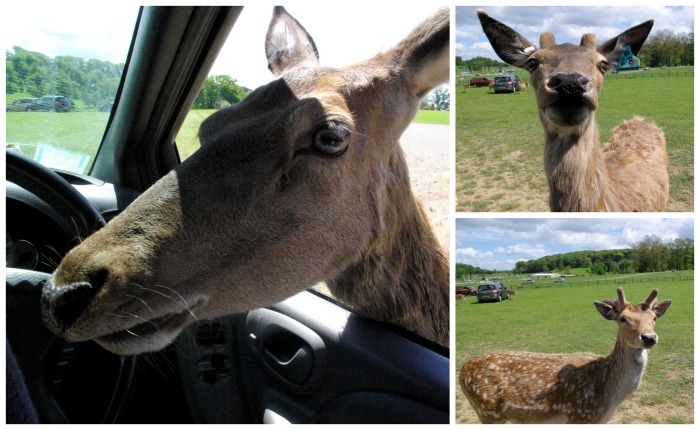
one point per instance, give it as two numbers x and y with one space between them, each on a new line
567 78
635 322
291 187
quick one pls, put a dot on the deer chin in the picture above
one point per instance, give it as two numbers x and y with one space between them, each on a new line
569 113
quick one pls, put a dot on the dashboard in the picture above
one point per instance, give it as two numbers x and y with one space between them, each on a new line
37 237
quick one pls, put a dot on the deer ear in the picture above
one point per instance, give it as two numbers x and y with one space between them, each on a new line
607 311
634 36
661 308
509 45
423 55
287 43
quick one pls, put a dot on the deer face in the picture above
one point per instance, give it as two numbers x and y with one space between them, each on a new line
567 78
635 322
289 187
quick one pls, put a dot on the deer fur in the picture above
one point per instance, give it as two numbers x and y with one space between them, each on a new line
630 173
303 181
525 387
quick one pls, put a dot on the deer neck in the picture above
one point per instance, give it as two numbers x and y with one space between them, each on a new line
622 373
575 169
396 277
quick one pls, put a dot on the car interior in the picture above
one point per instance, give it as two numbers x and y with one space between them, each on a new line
307 359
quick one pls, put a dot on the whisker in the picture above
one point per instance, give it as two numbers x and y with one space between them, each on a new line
184 302
184 305
141 300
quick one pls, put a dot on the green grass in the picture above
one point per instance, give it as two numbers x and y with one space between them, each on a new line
502 132
562 319
432 117
75 131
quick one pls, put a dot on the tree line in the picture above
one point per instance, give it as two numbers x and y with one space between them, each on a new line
664 48
652 254
93 82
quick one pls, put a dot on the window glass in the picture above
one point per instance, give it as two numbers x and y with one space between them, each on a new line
62 73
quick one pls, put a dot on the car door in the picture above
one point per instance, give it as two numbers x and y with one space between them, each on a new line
309 360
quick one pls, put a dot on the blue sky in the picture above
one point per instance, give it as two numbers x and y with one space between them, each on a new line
499 243
568 23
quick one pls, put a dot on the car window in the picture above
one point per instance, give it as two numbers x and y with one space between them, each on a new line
58 77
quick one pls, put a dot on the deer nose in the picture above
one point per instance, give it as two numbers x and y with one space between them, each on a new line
650 339
568 85
62 305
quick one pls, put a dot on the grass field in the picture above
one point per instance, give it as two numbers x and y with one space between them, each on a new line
563 319
499 140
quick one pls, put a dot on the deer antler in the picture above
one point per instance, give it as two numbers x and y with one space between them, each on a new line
652 297
621 297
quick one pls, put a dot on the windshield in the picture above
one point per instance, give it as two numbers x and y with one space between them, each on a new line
486 287
62 73
502 79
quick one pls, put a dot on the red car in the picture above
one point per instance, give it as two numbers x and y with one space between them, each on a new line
480 82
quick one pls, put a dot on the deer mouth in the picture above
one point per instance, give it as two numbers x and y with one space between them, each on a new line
150 335
569 110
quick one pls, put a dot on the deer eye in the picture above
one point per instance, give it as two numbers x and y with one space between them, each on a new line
603 66
331 138
623 320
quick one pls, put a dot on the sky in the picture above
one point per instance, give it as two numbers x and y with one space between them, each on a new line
500 243
343 32
566 22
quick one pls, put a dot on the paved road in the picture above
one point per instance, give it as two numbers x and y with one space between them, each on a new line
427 149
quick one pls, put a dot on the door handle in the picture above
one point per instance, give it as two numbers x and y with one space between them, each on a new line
287 350
296 368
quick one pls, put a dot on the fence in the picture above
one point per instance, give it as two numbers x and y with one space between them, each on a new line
569 282
651 74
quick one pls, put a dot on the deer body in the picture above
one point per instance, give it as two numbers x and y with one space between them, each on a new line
631 173
524 387
304 181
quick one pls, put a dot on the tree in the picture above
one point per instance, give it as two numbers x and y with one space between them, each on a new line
439 98
219 91
598 268
626 266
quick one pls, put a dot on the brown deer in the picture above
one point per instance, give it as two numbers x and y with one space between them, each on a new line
523 87
303 181
631 173
525 387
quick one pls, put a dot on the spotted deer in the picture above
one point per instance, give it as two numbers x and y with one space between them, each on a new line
303 181
630 173
525 387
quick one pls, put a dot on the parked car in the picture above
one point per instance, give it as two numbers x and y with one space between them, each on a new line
505 84
466 290
51 104
528 281
480 82
20 105
647 68
493 291
559 280
106 107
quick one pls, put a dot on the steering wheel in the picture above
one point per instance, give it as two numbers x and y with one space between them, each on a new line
48 363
